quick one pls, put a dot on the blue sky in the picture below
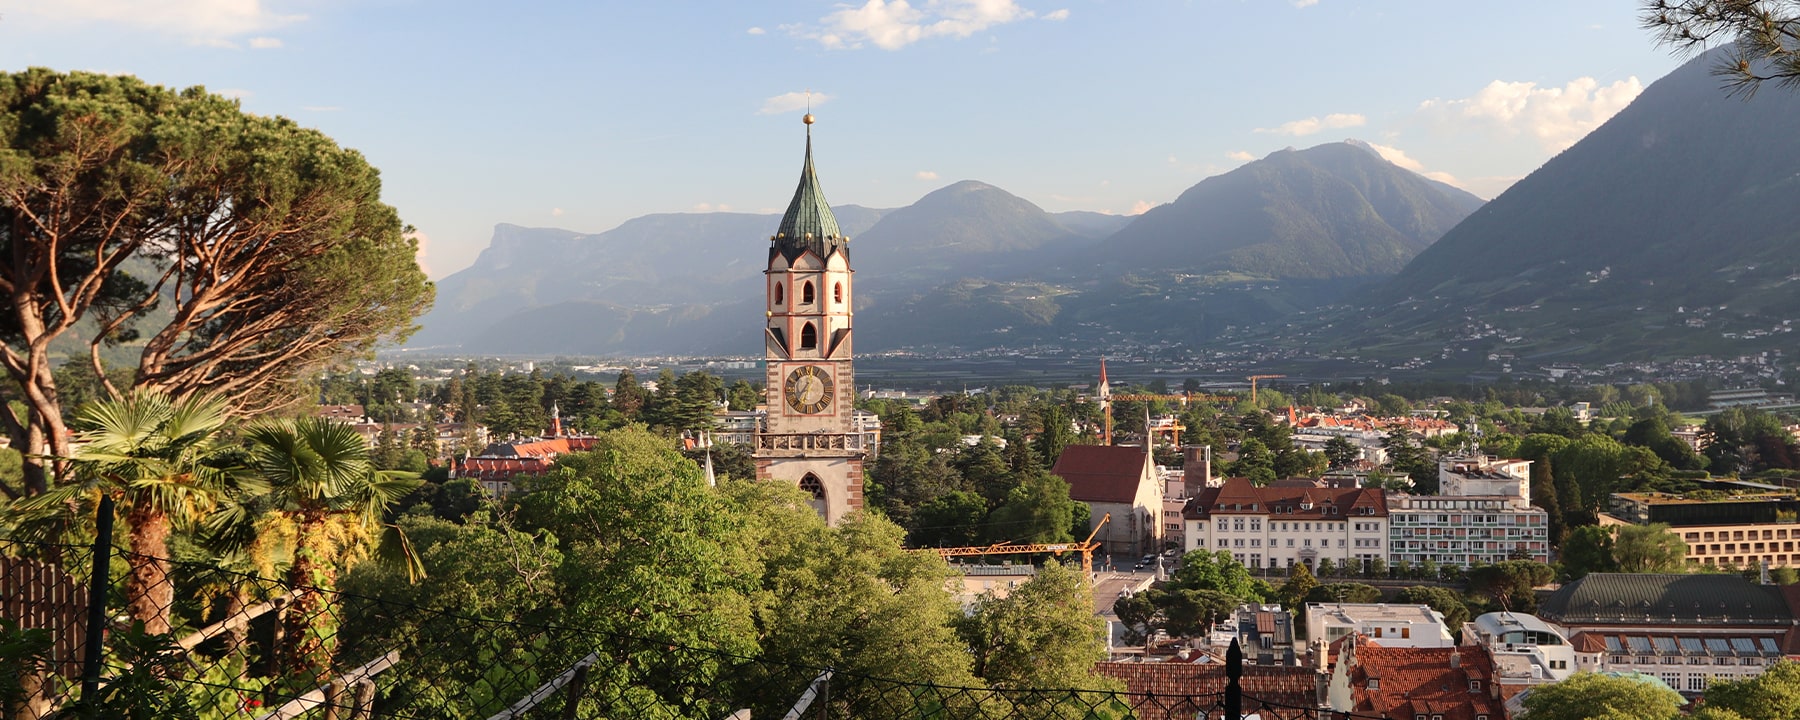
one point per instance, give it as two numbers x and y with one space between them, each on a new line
584 114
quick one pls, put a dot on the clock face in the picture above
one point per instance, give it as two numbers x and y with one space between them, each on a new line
809 389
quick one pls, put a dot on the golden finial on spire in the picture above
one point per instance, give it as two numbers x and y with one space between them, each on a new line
808 119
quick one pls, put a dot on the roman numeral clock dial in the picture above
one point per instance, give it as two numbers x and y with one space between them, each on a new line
809 389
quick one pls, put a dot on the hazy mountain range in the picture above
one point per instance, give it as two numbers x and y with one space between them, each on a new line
1000 267
1667 231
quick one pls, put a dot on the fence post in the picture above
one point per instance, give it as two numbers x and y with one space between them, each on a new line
99 579
1234 691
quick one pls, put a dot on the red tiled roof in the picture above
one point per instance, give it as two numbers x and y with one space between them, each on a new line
1183 690
1237 496
1421 681
491 468
1102 473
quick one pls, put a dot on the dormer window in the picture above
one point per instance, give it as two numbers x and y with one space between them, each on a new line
1474 686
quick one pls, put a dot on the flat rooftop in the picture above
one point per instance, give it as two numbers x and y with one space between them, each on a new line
1373 612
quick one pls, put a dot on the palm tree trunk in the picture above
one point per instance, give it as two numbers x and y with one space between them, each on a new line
149 595
311 628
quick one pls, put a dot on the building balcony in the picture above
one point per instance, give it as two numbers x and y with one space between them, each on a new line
804 444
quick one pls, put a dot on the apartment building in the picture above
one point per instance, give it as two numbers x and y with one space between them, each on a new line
1280 527
1482 515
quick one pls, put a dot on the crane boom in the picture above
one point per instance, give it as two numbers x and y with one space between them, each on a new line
1006 547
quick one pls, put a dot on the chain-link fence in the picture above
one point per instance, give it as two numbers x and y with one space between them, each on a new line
239 645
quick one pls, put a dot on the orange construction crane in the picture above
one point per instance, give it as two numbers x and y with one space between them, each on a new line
1005 547
1254 378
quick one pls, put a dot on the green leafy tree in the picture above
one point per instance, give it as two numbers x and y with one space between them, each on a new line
1192 613
1343 593
743 396
1037 511
1254 462
1772 695
1443 600
1512 582
1043 634
1327 568
1648 549
954 519
1588 549
1217 571
165 461
1138 614
1299 584
1587 696
628 396
269 253
1340 452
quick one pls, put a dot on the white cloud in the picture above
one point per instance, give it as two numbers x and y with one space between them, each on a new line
1062 14
925 175
265 43
201 22
1140 207
790 102
709 207
1240 156
1556 116
756 31
556 212
1400 158
1305 3
894 24
1315 124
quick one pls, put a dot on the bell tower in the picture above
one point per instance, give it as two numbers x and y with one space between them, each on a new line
810 439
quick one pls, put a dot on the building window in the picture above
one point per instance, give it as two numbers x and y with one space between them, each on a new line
778 295
809 337
1474 686
806 294
810 484
837 293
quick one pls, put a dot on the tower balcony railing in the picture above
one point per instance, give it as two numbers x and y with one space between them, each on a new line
804 443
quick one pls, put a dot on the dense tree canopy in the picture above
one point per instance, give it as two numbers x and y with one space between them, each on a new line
239 251
1592 696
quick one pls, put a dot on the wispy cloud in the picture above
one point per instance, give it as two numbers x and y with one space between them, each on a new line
265 43
894 24
1240 156
1313 125
925 175
217 23
1140 207
791 102
1305 3
556 212
709 207
756 31
1062 14
1556 116
1400 158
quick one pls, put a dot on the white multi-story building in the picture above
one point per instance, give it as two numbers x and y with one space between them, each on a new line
1525 649
1280 527
1416 626
1482 516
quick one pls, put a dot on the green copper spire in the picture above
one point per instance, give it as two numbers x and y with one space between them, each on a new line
808 223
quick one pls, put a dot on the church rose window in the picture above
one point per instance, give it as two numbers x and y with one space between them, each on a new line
806 294
809 338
